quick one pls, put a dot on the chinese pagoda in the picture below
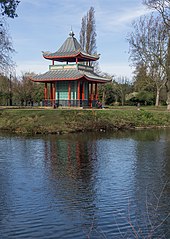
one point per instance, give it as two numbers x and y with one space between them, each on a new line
71 82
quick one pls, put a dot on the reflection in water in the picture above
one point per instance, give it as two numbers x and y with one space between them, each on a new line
71 165
85 185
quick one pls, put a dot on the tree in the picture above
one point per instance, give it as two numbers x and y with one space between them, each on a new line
6 49
148 44
123 87
115 91
26 92
142 81
163 8
8 7
4 90
107 93
88 32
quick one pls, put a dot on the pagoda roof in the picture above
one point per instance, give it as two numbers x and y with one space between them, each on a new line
69 74
69 51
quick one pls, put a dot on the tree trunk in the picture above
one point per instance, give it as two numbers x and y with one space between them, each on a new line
157 97
168 75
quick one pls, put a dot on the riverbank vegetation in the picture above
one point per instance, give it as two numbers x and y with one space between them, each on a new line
59 121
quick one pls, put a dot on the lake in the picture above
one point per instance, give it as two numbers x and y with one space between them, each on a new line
87 185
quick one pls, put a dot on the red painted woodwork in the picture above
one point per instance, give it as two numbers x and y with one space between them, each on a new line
78 90
54 90
91 95
51 91
45 92
83 91
78 55
91 88
96 92
69 91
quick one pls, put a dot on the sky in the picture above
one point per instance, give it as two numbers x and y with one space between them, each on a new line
44 25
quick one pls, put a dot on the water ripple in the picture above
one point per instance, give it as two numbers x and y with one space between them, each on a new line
83 186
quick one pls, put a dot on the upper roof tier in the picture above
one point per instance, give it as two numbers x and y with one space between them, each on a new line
70 51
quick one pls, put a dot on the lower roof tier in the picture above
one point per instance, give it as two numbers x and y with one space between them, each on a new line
69 74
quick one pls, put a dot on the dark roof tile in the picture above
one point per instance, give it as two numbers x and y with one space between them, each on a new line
71 74
71 47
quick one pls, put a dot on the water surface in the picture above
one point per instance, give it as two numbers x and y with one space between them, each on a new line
94 185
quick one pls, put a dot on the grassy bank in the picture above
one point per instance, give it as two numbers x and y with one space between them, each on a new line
45 121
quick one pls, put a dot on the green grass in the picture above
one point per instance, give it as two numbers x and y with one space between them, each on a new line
58 121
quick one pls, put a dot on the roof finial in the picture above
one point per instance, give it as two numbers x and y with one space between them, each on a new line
71 33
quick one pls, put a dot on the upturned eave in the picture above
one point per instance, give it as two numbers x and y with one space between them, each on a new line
71 57
68 75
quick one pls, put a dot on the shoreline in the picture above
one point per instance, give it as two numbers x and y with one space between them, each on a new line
64 121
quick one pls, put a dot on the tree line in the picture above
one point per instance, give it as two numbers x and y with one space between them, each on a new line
120 91
149 44
20 92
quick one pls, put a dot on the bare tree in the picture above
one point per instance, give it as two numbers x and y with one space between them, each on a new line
88 32
6 49
148 44
163 8
8 9
83 32
123 88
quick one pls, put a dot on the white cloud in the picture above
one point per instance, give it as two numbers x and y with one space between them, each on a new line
131 14
116 21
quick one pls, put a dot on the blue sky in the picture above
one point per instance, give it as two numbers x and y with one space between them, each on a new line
43 25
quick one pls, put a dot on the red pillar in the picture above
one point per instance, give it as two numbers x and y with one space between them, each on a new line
78 93
96 92
54 94
91 88
83 91
78 90
91 95
51 92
